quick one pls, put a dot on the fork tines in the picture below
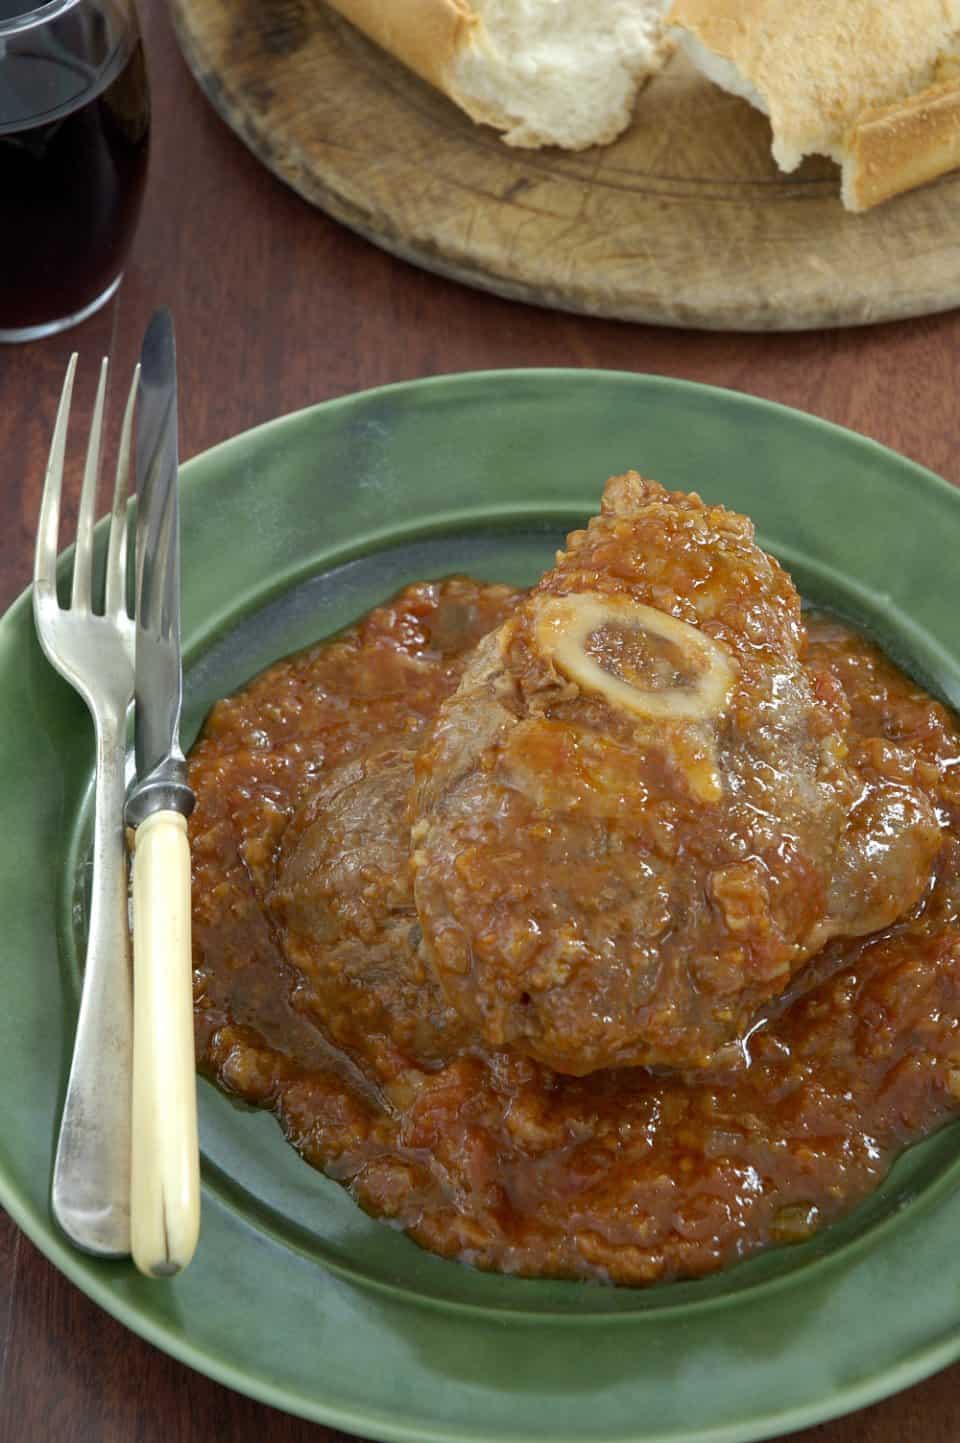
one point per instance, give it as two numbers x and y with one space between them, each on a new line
82 591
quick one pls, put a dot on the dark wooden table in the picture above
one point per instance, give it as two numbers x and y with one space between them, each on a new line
278 307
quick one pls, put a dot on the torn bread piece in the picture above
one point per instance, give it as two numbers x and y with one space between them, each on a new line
861 81
544 72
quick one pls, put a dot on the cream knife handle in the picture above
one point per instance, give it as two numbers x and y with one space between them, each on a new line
165 1165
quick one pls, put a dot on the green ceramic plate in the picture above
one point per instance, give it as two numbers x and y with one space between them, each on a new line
295 1296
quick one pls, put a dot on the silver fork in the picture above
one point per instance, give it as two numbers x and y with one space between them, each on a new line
94 652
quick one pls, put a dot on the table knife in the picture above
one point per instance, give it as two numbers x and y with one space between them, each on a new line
165 1173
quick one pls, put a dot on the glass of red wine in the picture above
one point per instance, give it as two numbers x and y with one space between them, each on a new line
74 135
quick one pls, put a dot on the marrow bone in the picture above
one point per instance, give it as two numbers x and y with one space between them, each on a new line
640 659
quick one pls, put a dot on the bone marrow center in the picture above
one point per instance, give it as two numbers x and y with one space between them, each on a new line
638 658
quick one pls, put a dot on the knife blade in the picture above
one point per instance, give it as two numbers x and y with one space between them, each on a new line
161 770
164 1174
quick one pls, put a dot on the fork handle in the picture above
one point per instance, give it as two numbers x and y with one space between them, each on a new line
90 1196
165 1177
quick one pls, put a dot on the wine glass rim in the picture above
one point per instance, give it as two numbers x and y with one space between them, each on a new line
38 15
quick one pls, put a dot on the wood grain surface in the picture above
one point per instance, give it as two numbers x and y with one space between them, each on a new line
278 307
684 220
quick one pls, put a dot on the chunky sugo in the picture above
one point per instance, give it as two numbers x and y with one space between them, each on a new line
328 985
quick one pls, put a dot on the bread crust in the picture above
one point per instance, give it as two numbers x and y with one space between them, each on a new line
426 35
894 148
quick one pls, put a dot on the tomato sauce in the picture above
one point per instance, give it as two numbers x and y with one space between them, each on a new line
313 999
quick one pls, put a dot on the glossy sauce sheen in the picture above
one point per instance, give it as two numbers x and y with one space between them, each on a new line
312 997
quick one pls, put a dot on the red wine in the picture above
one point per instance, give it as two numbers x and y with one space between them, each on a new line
12 9
73 155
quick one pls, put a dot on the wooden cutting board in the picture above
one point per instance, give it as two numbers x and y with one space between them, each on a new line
683 221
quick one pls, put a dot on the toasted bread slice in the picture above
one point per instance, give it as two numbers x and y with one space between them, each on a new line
858 80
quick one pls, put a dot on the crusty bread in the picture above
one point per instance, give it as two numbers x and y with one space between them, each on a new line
545 72
853 79
864 81
427 35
